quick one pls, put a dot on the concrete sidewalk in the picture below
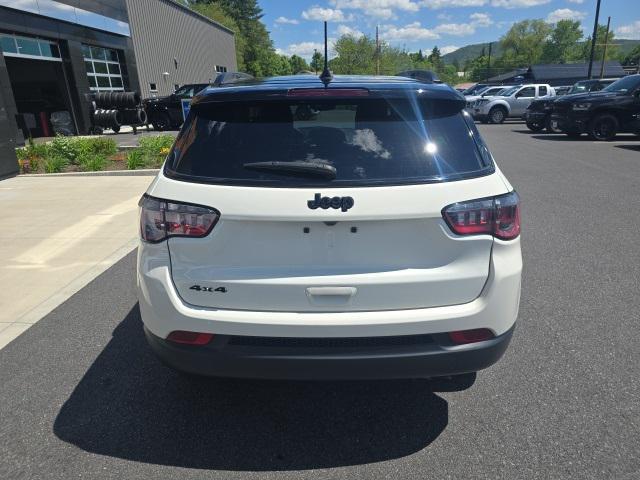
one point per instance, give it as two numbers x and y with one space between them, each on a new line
58 233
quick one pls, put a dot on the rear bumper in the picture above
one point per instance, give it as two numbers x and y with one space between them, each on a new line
270 358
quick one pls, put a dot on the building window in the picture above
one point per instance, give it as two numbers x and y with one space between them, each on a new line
221 69
103 69
153 88
25 47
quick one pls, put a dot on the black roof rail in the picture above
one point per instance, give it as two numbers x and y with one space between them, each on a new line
424 76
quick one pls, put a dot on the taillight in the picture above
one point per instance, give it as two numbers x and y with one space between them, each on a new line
189 338
463 337
497 216
161 219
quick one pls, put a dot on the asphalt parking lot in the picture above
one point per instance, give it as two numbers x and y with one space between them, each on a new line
82 396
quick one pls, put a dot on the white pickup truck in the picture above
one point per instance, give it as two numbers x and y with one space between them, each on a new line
512 102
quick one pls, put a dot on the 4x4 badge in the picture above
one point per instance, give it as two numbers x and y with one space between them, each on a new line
342 203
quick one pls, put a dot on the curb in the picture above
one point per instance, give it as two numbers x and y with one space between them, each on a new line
152 172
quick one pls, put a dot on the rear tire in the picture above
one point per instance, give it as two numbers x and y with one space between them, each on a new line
535 127
497 115
604 127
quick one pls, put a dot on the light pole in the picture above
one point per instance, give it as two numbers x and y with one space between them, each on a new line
593 39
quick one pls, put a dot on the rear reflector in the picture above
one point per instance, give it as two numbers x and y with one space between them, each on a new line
161 219
497 216
471 336
328 92
190 338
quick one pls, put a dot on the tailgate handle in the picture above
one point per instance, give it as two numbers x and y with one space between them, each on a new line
331 291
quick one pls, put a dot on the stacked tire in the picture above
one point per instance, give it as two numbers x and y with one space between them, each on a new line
107 119
114 109
118 100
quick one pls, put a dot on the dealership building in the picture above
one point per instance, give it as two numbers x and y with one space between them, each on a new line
54 53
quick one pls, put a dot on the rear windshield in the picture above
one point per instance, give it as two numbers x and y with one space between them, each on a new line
365 141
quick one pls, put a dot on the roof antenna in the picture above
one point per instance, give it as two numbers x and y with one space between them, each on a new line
326 76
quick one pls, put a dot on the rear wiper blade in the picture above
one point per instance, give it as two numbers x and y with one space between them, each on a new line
296 167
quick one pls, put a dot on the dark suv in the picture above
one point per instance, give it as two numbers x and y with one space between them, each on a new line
602 114
165 113
538 114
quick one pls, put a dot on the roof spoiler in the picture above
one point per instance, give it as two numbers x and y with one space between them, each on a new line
424 76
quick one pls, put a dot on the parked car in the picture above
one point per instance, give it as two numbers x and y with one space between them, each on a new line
538 114
266 236
165 113
511 102
562 90
485 92
474 90
602 114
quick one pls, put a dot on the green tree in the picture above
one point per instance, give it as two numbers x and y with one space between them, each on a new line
563 44
298 64
355 56
258 54
317 62
435 58
524 43
633 57
612 50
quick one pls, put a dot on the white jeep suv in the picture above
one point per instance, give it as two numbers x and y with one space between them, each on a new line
349 230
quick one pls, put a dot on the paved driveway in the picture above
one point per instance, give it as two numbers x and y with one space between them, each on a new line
83 397
57 234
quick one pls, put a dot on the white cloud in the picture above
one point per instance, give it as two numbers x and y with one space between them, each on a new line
325 14
481 19
378 8
444 16
631 31
289 21
518 3
448 49
413 31
304 49
565 14
576 1
346 30
435 4
456 29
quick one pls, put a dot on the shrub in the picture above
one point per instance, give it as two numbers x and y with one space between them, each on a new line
92 162
151 152
54 163
135 159
73 149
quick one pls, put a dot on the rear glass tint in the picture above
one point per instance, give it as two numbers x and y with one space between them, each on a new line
368 141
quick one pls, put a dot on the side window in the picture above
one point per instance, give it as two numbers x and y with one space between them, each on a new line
527 92
595 87
542 91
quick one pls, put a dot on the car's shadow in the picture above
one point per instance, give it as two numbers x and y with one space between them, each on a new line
130 406
635 148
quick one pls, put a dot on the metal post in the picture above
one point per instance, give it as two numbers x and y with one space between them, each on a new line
604 51
377 51
489 62
593 40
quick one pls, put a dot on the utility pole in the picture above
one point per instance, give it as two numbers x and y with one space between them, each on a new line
593 40
489 62
377 50
604 50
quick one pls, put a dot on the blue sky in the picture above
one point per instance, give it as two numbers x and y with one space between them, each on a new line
296 26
